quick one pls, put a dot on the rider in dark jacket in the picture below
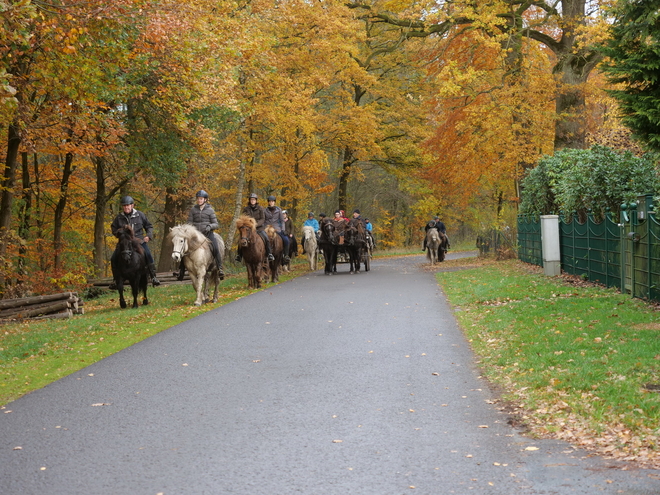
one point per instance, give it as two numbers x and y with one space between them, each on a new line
275 219
256 211
142 229
439 226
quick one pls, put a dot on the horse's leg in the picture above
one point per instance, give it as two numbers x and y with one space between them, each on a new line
120 289
200 286
250 275
135 290
144 283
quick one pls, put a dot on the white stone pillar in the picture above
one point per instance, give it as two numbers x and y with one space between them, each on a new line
550 245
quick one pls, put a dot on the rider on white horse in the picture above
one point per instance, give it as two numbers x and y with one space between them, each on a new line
202 216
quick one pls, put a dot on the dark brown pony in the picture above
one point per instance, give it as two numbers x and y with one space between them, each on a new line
328 242
252 249
129 263
277 249
354 243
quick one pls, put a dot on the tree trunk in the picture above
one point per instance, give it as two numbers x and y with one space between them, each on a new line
172 209
345 173
100 202
59 210
570 105
25 214
238 205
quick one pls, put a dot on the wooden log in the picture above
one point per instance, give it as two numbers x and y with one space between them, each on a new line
44 306
29 312
64 314
25 301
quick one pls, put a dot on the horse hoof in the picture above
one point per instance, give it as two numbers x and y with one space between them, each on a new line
198 304
122 304
145 301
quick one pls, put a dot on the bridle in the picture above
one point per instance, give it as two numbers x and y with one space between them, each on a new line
245 237
184 248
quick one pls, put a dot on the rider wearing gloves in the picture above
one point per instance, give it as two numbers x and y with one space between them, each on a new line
203 218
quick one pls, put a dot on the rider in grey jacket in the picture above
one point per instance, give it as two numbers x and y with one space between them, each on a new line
202 216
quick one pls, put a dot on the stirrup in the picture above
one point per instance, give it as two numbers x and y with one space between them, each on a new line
155 281
271 257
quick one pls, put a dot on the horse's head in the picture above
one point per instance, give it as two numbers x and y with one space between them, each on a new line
126 243
247 226
329 232
308 232
350 234
179 243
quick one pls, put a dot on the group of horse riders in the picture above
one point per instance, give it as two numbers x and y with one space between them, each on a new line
203 217
340 221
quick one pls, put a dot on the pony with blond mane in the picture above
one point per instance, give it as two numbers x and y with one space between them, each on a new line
311 246
253 250
435 243
194 248
277 249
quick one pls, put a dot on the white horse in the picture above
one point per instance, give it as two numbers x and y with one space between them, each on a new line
311 246
433 242
194 248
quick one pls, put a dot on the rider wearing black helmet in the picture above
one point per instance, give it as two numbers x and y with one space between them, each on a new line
256 211
202 216
275 219
142 229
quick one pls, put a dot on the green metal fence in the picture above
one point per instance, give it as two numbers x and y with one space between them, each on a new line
591 249
625 255
529 240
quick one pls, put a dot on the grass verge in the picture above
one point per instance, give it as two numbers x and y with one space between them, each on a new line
34 354
580 362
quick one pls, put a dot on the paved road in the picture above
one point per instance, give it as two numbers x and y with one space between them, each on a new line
345 384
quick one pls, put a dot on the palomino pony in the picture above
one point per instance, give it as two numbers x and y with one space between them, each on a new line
253 250
194 248
129 263
311 246
277 249
435 243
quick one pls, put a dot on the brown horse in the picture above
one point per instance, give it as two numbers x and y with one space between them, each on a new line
253 250
277 249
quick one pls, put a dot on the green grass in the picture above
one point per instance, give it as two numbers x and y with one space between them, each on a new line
34 354
576 358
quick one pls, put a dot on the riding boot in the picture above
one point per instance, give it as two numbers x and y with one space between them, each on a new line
285 258
152 272
218 262
239 256
182 272
424 246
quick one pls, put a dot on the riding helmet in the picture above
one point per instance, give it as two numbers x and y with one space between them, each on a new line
356 211
253 195
271 198
202 194
127 200
310 214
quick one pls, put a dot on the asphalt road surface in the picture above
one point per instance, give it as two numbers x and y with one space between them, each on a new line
344 384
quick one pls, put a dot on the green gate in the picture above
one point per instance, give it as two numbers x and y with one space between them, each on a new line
640 239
